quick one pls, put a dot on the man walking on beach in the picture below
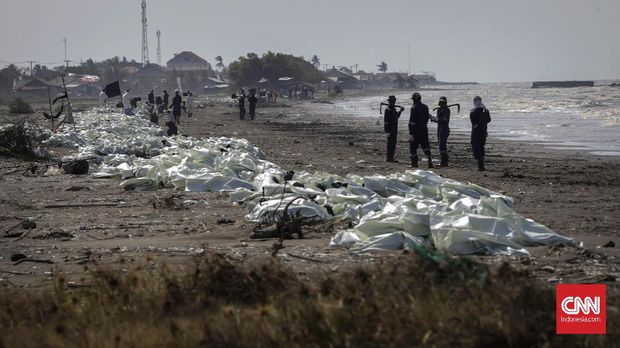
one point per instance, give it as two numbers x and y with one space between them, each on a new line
125 99
252 100
418 131
166 96
443 129
241 100
479 117
390 126
103 98
151 97
176 106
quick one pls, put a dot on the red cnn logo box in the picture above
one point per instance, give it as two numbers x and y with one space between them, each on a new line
580 309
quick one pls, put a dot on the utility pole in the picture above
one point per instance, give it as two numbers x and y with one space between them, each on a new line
66 60
31 62
145 43
409 69
158 47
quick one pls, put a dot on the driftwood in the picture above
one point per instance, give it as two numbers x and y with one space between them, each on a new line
82 205
27 259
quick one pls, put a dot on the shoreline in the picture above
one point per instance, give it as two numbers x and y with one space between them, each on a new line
574 194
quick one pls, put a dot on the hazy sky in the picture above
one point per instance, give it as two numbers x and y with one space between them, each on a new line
479 40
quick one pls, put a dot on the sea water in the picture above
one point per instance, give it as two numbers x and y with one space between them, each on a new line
584 118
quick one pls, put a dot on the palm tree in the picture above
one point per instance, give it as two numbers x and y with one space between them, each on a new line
315 61
219 64
382 67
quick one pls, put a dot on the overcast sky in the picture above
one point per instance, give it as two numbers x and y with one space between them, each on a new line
460 40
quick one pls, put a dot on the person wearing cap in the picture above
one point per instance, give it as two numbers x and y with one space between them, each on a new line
443 129
177 104
480 118
390 126
418 130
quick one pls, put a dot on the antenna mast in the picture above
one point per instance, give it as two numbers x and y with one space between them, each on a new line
145 43
158 47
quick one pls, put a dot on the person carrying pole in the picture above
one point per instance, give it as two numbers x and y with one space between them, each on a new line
390 126
418 131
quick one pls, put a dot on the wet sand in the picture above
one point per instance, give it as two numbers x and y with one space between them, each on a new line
574 193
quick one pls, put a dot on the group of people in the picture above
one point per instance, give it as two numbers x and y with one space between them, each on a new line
252 101
158 106
418 129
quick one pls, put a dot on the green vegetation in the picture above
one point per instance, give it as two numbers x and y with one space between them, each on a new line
16 142
19 106
247 71
410 300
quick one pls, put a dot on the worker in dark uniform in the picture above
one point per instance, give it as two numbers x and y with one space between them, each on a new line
151 97
390 126
177 105
241 98
252 100
443 129
166 96
418 131
479 117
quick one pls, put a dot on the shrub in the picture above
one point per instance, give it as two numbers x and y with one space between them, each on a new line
19 106
16 142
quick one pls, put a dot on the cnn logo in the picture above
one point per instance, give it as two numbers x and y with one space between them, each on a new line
575 305
581 309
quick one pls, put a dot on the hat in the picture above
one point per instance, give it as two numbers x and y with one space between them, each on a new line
416 96
443 99
391 98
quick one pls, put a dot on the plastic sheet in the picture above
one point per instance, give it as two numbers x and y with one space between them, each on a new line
396 211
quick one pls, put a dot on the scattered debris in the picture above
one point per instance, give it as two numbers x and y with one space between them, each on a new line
224 221
609 244
78 188
78 167
56 235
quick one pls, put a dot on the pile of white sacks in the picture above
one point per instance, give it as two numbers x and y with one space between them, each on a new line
388 212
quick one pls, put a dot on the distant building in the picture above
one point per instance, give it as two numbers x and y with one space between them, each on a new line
341 78
151 76
188 61
192 69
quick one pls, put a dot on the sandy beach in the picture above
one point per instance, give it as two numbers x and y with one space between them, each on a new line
84 222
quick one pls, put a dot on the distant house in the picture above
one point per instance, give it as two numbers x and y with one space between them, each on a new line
192 69
151 76
341 78
31 85
188 61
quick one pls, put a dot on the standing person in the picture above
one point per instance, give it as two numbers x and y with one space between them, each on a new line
189 103
418 131
480 118
151 97
390 126
177 104
252 100
172 124
166 96
103 98
443 129
241 99
127 103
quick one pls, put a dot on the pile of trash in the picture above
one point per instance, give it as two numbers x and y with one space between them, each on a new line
387 212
